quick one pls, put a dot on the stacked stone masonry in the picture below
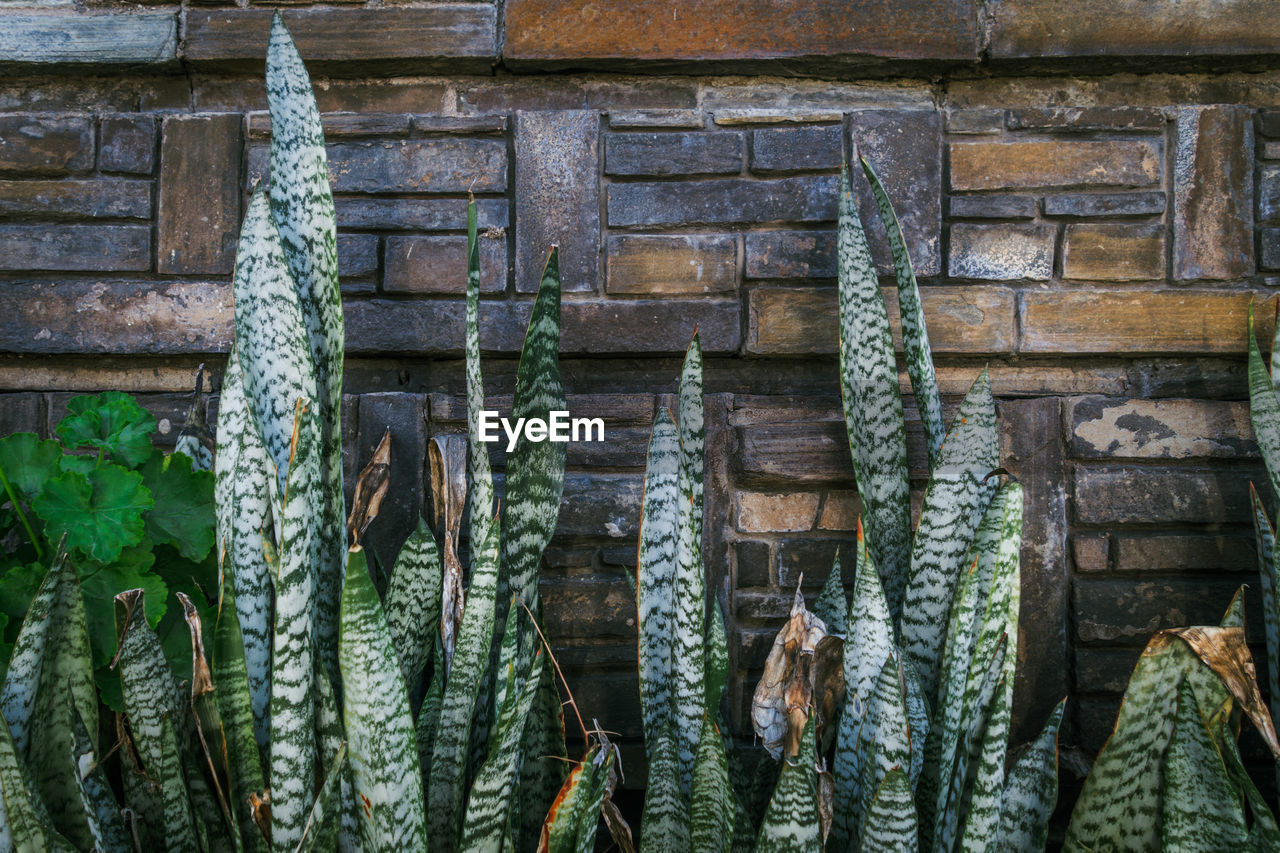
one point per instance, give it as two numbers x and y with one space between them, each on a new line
1092 209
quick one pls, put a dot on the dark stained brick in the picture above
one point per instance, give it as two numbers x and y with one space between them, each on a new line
20 413
1184 553
808 199
1086 118
196 231
357 255
77 41
1269 194
975 121
418 214
1269 238
1111 610
601 505
1126 495
1105 204
1212 193
509 93
812 558
76 199
128 144
419 166
86 248
438 264
659 154
754 565
595 606
992 207
45 145
794 149
791 254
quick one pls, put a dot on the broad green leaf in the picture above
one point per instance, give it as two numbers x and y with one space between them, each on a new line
872 402
191 579
832 607
711 805
413 601
182 515
104 584
27 462
791 825
24 821
381 742
100 513
18 587
112 422
1264 410
1031 792
891 824
664 824
659 520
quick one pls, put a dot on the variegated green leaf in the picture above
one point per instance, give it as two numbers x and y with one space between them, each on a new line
954 502
919 715
791 824
381 743
951 799
413 601
717 659
194 439
655 579
1269 577
24 821
1031 793
574 816
664 824
890 825
832 607
711 806
428 719
542 771
884 737
331 741
873 402
101 812
1264 831
479 473
180 824
22 681
1264 410
321 831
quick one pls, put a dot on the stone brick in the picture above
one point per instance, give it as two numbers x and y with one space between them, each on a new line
755 565
961 320
753 648
766 115
1158 429
677 264
605 505
1110 610
404 415
733 30
1269 241
1054 163
1086 118
791 254
458 38
656 118
659 154
1105 204
769 608
840 511
438 264
1212 194
975 121
794 453
196 231
1002 252
507 94
1044 28
1127 495
808 562
76 199
1269 194
357 255
115 317
794 149
1269 122
992 207
128 144
418 214
613 696
341 124
1112 251
1181 553
1105 671
765 513
1091 552
463 125
558 197
595 606
727 201
1271 151
419 166
1129 321
45 145
75 248
21 413
150 38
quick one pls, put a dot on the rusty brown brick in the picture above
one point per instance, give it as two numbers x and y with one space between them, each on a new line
198 208
438 264
1113 251
760 512
1091 552
45 145
676 264
791 254
1054 163
1212 194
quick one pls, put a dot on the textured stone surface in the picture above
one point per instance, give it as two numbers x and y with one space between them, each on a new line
45 144
1054 163
1179 553
1269 193
419 166
127 144
975 121
75 248
357 255
658 154
655 118
86 40
1086 118
1091 552
1129 495
1212 185
1158 429
1001 252
678 264
558 197
76 199
807 563
21 413
754 564
791 254
1269 242
1109 251
438 264
418 214
766 513
1112 610
1105 204
198 209
794 149
992 207
840 511
732 200
507 94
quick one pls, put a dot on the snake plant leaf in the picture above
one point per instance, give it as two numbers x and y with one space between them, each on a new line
872 401
244 479
954 503
447 456
413 601
791 823
1269 577
292 750
915 335
832 607
101 812
112 422
1031 792
919 716
428 720
382 746
1264 410
655 577
717 665
479 471
100 513
1264 832
453 734
331 742
884 738
711 805
542 771
574 817
194 439
664 823
891 825
27 462
180 824
321 831
184 506
24 820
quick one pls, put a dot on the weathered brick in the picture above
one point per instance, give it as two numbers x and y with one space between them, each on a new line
84 248
595 606
419 166
729 30
467 125
404 416
196 231
341 124
605 505
684 264
754 564
1269 242
357 255
1126 495
1158 429
458 37
765 513
1271 151
793 149
1212 194
76 199
769 608
1112 251
1091 552
1001 252
1180 553
509 93
74 40
1086 118
975 121
795 453
1110 321
992 207
658 154
840 510
727 201
656 118
1269 194
1105 671
418 214
558 197
793 321
791 254
128 144
753 647
810 561
438 264
1110 610
45 145
771 115
1054 163
613 696
1105 204
21 413
1269 122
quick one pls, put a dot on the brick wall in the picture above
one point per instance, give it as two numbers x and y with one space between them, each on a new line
1092 201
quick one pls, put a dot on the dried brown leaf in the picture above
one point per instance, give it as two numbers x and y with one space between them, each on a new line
371 488
447 455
